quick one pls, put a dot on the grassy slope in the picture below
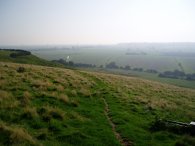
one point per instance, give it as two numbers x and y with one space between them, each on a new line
53 106
145 75
29 59
135 103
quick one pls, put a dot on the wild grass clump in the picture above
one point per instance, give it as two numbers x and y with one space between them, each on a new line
74 103
73 92
20 69
43 85
154 102
5 65
7 101
51 88
54 125
30 113
9 104
4 95
47 113
15 136
64 98
77 116
26 97
85 92
2 84
60 88
42 134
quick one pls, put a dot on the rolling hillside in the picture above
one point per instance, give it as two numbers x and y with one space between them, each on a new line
5 56
55 106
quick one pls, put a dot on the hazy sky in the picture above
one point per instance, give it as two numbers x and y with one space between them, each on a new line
28 22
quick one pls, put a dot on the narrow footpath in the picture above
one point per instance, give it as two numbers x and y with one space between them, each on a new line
117 135
102 85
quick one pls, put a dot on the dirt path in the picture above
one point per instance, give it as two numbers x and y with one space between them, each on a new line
123 142
118 136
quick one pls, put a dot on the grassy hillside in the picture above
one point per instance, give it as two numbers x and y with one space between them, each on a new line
153 59
27 59
54 106
150 76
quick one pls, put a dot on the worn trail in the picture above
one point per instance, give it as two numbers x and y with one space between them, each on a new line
101 85
118 136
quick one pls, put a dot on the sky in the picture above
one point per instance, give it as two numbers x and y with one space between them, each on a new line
45 22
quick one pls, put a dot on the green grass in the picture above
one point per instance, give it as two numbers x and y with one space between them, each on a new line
56 106
28 59
102 56
148 76
36 106
134 104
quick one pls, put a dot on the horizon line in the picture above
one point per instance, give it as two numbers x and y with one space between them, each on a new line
96 44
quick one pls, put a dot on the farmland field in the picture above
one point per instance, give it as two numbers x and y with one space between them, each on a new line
159 57
146 56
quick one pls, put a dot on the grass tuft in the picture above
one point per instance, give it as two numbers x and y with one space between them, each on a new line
64 98
30 113
4 95
60 88
85 92
74 103
15 136
47 113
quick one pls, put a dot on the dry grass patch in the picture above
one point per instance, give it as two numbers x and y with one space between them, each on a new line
48 112
60 88
64 98
3 84
9 104
26 98
7 101
30 113
4 95
27 95
15 136
41 84
75 103
85 92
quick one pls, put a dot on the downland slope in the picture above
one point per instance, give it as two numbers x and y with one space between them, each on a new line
54 106
22 56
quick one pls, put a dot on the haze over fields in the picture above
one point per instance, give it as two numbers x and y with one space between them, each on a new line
97 73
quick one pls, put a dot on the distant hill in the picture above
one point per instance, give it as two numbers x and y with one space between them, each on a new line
48 106
22 56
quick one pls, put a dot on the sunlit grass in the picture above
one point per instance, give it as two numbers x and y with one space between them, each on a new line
55 106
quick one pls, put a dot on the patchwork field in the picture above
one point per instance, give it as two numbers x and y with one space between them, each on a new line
55 106
161 57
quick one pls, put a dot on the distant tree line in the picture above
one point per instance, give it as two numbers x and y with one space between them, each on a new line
112 65
176 74
17 52
64 62
20 53
72 64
